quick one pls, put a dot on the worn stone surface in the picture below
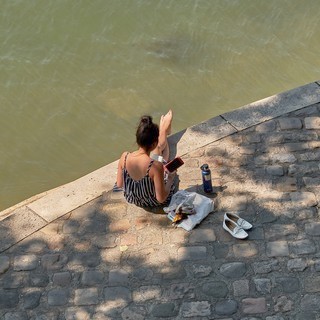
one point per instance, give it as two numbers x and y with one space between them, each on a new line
110 260
19 225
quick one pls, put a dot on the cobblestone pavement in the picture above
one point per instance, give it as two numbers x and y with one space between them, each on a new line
110 260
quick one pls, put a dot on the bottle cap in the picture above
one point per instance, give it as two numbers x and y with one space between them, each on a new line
204 167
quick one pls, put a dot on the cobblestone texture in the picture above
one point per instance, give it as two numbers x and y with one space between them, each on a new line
111 260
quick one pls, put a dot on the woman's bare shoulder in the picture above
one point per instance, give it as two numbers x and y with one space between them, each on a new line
122 157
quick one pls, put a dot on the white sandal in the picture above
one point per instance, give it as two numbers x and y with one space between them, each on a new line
245 225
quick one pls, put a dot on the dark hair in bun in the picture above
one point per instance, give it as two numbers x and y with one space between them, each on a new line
147 133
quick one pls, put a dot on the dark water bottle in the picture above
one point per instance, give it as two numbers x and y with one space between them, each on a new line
206 178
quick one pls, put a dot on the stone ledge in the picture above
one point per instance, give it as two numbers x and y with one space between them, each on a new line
274 106
19 225
68 197
200 135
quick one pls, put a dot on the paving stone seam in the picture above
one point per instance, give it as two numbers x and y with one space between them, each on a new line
234 127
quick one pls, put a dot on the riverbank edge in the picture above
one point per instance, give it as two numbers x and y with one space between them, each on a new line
30 215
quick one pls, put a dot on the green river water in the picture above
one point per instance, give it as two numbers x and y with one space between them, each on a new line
77 74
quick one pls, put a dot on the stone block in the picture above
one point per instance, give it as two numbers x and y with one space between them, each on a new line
8 299
263 285
268 126
245 250
314 144
164 310
280 231
70 227
277 249
25 262
241 287
215 289
310 182
305 214
226 307
104 241
121 225
303 199
312 284
283 158
86 297
257 233
39 279
93 226
301 247
196 309
313 228
118 276
92 277
254 305
179 272
179 291
233 270
287 184
312 123
20 315
54 261
310 302
302 169
252 138
283 304
62 279
76 313
20 224
132 313
310 156
288 284
58 297
290 123
31 299
13 280
297 264
275 170
87 259
202 235
192 253
299 135
145 293
117 297
296 146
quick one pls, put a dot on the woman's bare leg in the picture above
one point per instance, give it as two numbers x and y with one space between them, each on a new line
164 130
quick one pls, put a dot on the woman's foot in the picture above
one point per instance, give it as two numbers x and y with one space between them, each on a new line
165 122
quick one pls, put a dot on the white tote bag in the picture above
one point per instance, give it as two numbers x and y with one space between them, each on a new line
202 205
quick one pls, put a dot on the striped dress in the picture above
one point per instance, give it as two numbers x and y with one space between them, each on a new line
142 192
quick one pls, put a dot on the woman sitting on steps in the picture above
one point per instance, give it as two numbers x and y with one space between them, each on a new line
141 177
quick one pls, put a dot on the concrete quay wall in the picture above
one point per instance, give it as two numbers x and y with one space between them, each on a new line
33 214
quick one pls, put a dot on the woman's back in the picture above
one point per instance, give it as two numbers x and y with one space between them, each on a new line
138 185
